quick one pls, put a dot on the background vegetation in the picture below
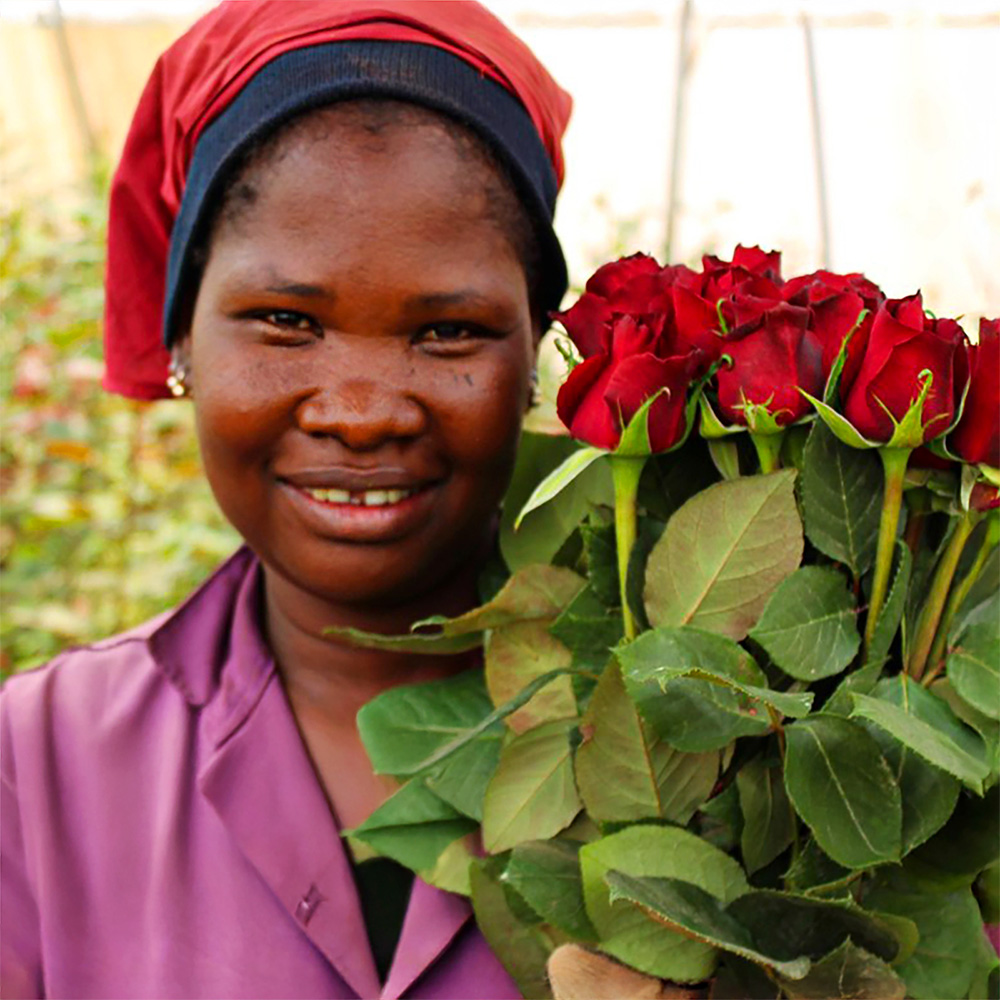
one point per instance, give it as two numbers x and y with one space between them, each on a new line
106 517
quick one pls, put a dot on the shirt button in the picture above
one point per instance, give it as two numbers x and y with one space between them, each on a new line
308 905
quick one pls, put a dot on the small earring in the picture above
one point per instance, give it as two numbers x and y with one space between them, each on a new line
177 379
536 392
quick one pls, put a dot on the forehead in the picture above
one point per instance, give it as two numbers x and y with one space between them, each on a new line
352 184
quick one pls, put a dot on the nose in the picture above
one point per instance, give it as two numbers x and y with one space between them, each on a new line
362 412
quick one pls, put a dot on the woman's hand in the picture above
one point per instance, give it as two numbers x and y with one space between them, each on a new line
578 974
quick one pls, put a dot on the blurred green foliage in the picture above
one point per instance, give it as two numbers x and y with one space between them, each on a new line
105 516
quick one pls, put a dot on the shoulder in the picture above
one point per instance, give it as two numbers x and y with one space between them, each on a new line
110 692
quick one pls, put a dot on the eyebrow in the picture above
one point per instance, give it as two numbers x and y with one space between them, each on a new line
300 289
463 296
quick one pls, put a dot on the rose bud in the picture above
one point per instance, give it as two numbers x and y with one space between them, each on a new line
976 439
770 365
837 300
632 286
602 393
903 344
753 274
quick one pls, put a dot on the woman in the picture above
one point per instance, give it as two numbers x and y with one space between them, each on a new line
339 213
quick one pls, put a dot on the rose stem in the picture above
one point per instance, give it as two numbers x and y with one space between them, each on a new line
958 595
768 451
930 615
894 463
626 471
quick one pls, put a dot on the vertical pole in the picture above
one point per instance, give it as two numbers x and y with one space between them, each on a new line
73 82
819 159
677 140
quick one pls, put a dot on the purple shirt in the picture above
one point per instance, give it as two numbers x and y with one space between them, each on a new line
165 835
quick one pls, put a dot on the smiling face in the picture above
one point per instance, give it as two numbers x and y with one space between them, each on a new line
360 350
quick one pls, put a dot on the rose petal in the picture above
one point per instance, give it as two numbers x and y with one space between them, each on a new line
581 406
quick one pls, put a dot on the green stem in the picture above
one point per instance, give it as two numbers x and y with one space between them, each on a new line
894 463
626 470
930 614
960 592
768 451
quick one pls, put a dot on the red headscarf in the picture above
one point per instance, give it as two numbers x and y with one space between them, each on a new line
197 78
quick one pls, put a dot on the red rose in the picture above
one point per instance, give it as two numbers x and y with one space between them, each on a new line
769 366
634 286
976 439
902 344
753 274
603 392
836 301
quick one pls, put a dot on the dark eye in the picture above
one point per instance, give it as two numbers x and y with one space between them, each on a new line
447 333
289 319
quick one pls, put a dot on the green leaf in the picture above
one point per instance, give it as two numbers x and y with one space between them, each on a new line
841 427
588 630
788 924
546 874
949 924
927 726
965 845
522 949
413 827
602 562
518 654
690 910
841 499
409 723
809 624
484 728
534 593
462 779
698 715
848 971
532 795
816 873
665 655
561 477
974 668
434 644
928 793
450 872
626 932
625 773
988 729
841 786
723 553
542 532
767 813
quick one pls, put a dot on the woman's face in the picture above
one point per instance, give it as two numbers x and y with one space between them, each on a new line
360 353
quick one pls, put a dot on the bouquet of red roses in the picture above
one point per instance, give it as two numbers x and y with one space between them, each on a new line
739 718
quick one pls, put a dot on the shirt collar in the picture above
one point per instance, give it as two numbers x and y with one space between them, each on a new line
219 624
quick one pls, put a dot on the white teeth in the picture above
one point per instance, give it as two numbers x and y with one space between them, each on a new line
363 498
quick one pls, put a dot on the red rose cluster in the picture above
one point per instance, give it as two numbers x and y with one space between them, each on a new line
641 329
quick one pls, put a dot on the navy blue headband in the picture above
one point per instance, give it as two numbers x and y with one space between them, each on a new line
309 78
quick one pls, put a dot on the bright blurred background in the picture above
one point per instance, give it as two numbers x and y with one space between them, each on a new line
861 136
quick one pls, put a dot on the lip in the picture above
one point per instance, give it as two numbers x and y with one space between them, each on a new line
347 522
355 479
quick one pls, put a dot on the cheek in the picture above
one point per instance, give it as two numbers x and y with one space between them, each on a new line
483 425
